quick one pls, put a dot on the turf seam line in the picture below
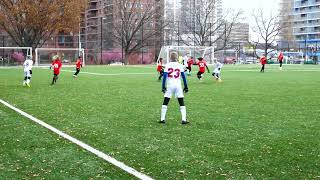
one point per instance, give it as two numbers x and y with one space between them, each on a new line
80 143
101 74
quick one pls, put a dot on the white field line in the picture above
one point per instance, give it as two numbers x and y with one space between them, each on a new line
81 144
290 70
118 74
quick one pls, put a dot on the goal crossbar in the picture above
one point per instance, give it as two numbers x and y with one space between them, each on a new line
202 50
29 52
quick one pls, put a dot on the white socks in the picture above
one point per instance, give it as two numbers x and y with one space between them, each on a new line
183 113
163 112
28 81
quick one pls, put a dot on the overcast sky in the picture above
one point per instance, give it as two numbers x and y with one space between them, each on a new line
249 5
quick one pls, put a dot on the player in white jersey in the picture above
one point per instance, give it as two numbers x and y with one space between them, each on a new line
27 69
185 61
217 71
171 85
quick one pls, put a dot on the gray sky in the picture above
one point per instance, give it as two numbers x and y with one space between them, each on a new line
249 5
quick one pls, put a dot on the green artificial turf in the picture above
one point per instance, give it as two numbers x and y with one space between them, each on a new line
251 126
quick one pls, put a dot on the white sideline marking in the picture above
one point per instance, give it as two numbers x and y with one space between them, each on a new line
81 144
288 70
101 74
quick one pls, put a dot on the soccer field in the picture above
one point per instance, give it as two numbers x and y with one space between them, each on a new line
251 126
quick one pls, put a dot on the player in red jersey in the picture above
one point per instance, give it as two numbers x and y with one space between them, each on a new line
280 59
263 61
202 65
160 69
78 66
190 63
56 65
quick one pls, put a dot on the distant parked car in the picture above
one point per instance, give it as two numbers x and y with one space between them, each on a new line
116 64
65 61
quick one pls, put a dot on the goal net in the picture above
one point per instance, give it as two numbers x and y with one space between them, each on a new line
14 56
43 56
206 52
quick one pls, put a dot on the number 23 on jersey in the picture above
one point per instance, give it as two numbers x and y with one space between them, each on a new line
173 73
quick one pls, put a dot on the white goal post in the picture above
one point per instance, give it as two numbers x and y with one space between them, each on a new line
206 52
4 52
29 49
58 50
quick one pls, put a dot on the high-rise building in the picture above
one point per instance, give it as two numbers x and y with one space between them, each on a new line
91 24
239 34
171 15
306 17
287 38
301 26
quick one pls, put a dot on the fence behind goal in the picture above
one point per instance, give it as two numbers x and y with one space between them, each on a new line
206 52
14 56
68 56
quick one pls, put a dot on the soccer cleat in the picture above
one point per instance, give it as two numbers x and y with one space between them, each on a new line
75 76
24 84
185 122
28 85
162 122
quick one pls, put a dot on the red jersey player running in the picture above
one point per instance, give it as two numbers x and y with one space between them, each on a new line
280 59
263 61
78 66
56 65
202 65
190 63
160 69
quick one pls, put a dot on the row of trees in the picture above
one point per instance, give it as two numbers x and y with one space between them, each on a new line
32 22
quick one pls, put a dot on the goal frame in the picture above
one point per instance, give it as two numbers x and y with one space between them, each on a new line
192 49
81 52
29 52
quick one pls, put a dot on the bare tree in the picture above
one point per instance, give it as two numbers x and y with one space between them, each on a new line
226 28
267 28
32 22
202 27
136 25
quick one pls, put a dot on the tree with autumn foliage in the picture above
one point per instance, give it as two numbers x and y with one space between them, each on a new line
30 23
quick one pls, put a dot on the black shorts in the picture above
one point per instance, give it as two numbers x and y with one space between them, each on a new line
199 73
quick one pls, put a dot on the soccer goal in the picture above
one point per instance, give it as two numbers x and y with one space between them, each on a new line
43 56
13 56
206 52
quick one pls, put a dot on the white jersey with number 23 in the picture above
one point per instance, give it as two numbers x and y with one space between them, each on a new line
174 70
